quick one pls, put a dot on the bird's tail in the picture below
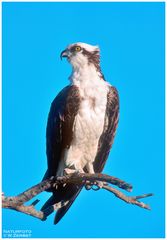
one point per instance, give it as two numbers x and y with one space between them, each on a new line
66 194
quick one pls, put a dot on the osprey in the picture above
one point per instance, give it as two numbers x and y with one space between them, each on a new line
81 124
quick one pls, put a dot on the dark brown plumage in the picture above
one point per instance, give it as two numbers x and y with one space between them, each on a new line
110 126
94 58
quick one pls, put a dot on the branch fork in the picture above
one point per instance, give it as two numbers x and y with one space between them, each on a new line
97 180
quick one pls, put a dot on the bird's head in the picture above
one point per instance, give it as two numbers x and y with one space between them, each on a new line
80 54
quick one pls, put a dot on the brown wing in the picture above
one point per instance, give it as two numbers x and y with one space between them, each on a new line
110 125
59 135
59 131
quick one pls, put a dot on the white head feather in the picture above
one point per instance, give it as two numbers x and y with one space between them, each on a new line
88 47
80 59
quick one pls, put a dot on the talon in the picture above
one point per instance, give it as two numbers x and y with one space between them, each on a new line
100 184
97 185
94 186
88 185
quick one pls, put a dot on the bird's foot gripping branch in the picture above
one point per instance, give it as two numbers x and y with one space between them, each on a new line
17 203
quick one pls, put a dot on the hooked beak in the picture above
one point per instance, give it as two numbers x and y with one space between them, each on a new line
64 54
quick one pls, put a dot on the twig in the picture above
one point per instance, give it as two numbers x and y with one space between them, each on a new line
131 200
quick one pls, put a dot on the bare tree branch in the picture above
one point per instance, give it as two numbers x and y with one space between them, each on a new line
81 179
132 200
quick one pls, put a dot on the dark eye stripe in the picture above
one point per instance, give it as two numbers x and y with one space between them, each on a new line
73 49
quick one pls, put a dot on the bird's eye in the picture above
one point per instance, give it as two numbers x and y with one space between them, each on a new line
77 48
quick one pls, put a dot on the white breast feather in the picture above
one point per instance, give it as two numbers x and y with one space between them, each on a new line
89 122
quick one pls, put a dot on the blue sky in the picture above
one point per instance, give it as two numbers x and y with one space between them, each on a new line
131 39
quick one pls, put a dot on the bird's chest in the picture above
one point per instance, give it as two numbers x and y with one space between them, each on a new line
89 121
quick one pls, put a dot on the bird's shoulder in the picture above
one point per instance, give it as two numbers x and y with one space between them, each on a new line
112 99
112 93
67 92
66 98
